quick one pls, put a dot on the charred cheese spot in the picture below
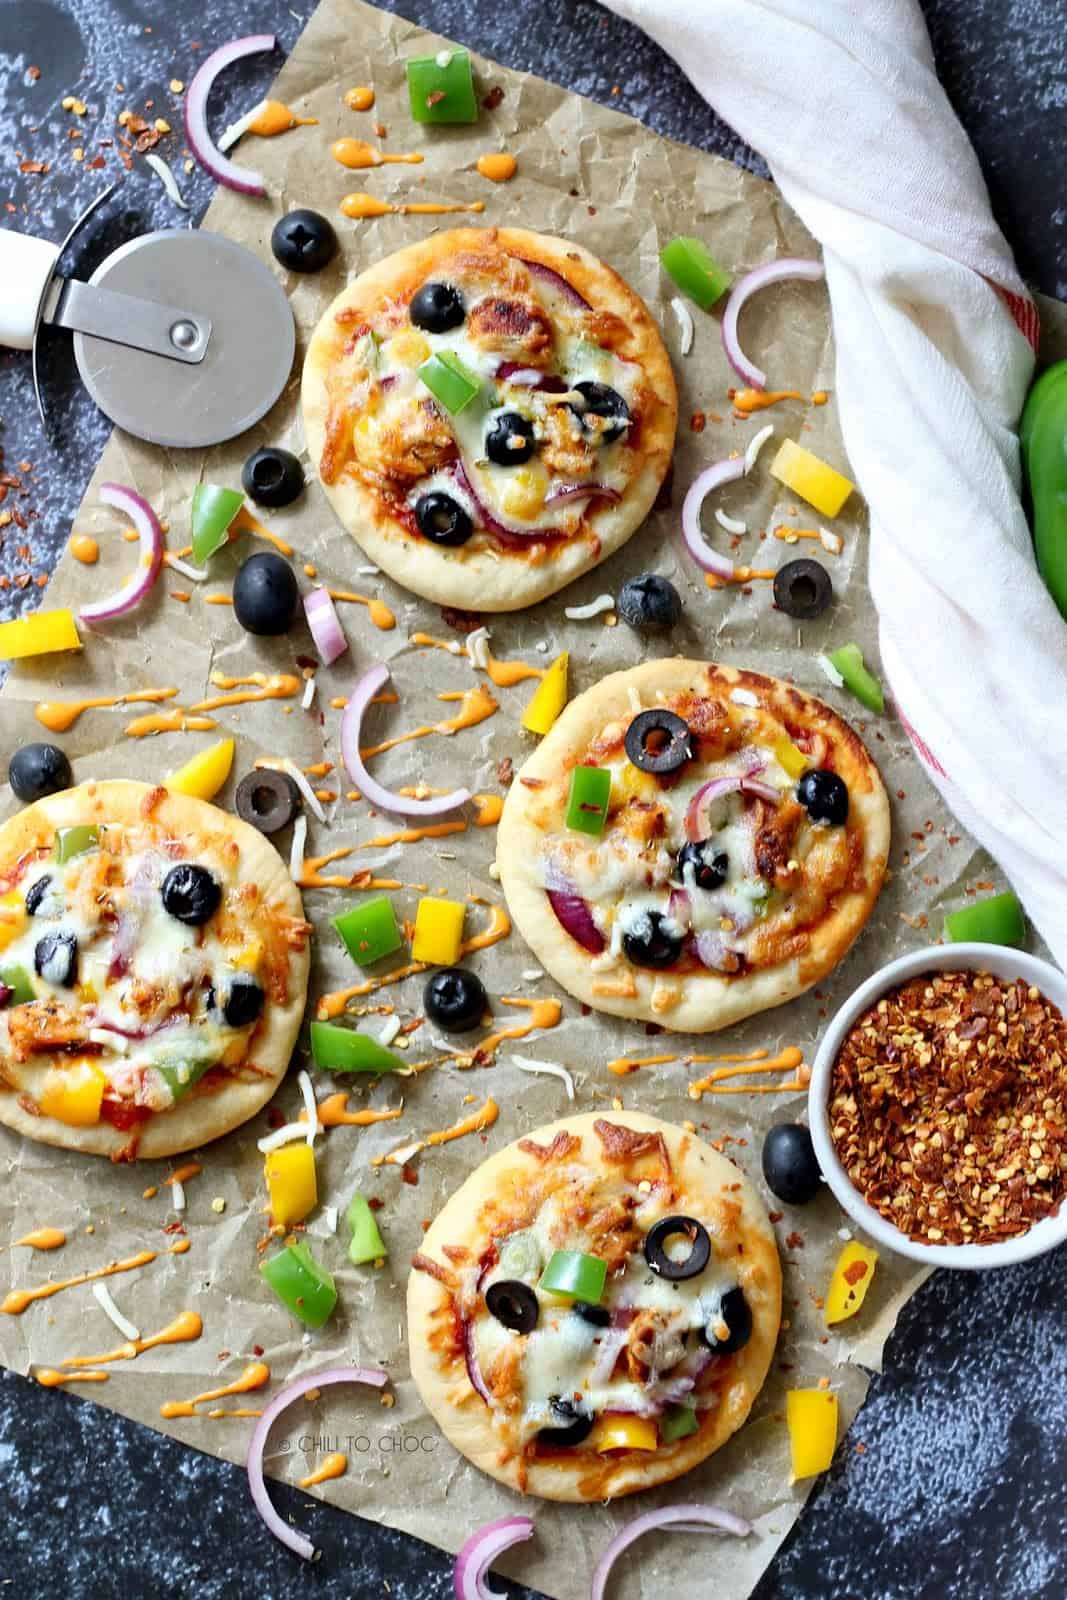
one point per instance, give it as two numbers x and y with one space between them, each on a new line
516 328
412 443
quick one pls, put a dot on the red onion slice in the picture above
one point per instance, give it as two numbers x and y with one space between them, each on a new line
697 824
490 521
702 485
775 272
712 952
573 914
702 1519
149 554
325 625
529 378
608 1352
680 907
474 1371
281 1530
201 143
583 491
375 793
538 269
481 1550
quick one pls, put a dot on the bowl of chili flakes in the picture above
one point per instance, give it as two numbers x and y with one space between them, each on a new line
938 1106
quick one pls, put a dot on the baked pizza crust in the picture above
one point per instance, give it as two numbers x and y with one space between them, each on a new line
491 579
708 1001
711 1188
198 1117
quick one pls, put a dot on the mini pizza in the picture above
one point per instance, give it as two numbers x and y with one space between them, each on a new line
491 412
153 970
594 1311
691 844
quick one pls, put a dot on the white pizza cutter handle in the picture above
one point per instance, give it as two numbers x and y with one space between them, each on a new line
31 292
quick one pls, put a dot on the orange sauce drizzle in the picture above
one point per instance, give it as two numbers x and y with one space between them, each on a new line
478 1120
741 575
255 1376
60 715
235 1411
622 1066
790 535
245 522
788 1060
310 570
746 401
361 206
185 1327
356 154
43 1239
359 98
820 397
503 673
177 720
83 547
334 1113
49 1378
498 166
312 876
543 1014
275 117
218 600
476 705
334 1004
377 610
261 686
431 830
15 1301
182 1174
334 1466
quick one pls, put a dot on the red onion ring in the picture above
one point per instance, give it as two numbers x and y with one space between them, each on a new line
775 272
481 1550
149 556
490 522
470 1358
375 793
201 143
325 625
701 551
696 815
581 491
281 1530
573 914
529 378
538 270
694 1519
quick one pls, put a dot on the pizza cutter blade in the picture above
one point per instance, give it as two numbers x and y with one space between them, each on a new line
231 328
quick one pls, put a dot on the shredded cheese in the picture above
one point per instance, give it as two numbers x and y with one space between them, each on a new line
592 608
743 697
731 524
194 574
280 1136
755 445
310 798
309 693
296 849
478 648
166 177
103 1299
832 542
685 324
314 1126
829 671
551 1069
111 1041
231 134
329 1217
177 1194
389 1030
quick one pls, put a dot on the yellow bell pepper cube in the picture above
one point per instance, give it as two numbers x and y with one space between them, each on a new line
38 635
12 917
788 756
438 932
621 1431
248 958
549 698
812 1418
73 1094
820 485
205 774
291 1184
630 783
851 1279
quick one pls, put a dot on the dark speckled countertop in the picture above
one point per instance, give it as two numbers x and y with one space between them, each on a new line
950 1484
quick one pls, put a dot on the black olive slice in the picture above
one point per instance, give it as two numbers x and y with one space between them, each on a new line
666 1266
659 741
735 1312
803 589
574 1426
599 1316
268 800
514 1304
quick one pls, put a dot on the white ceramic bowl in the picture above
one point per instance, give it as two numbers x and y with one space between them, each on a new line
1003 963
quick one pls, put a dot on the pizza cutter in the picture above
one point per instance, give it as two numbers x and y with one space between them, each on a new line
181 337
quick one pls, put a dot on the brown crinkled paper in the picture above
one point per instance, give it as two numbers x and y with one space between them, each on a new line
594 175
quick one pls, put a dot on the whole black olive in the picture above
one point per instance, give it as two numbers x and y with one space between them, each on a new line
599 1316
654 940
441 519
665 1265
735 1312
708 866
36 893
824 796
304 241
510 441
514 1304
269 800
244 1001
190 894
455 999
55 959
437 307
649 603
802 589
790 1166
572 1427
605 413
659 741
37 770
265 595
272 476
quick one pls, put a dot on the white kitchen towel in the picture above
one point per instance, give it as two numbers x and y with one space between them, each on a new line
935 334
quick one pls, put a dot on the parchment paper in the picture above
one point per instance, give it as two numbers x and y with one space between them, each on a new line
597 176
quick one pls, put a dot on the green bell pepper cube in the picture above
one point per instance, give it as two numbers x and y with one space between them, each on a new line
587 803
303 1286
71 842
366 1243
677 1422
213 511
337 1049
998 919
441 87
573 1273
179 1076
450 382
369 930
863 684
693 269
18 980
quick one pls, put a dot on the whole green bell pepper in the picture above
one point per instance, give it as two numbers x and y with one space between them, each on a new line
1043 436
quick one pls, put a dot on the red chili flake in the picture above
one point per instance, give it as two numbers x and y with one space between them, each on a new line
409 1175
435 97
852 1274
223 1355
257 1349
493 98
174 1227
794 1241
375 1203
776 1216
35 166
698 422
462 621
33 73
